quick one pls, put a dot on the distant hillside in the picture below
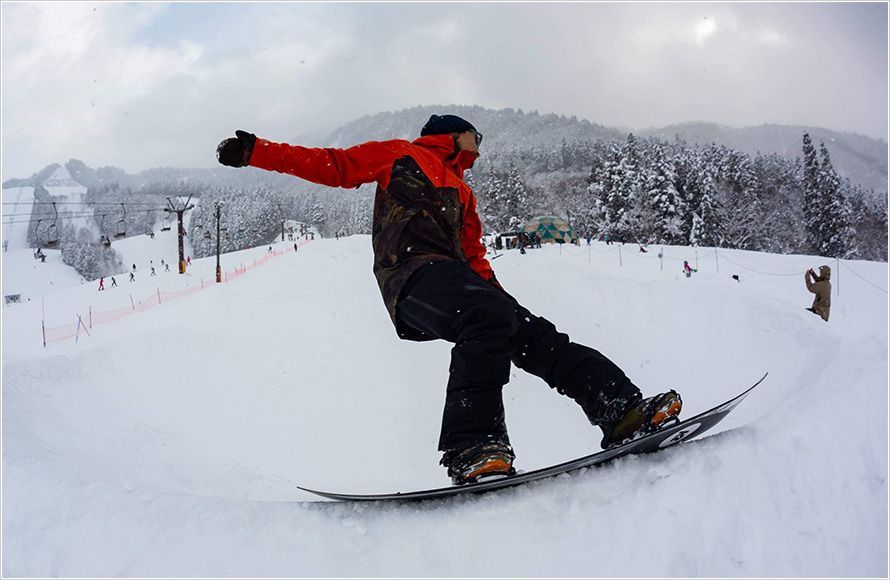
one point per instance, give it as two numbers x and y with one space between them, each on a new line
861 159
502 128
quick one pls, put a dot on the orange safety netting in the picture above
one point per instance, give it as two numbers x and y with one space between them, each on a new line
86 320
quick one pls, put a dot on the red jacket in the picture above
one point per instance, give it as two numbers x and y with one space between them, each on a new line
423 210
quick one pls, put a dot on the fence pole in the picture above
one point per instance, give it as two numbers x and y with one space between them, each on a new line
715 252
81 324
837 264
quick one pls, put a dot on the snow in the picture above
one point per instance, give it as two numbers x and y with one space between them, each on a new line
170 443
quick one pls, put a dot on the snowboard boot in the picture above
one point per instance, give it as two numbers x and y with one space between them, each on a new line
647 417
481 461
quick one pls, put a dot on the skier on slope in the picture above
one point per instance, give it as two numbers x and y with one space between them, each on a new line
430 265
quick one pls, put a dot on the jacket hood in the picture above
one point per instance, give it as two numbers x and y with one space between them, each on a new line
825 273
444 147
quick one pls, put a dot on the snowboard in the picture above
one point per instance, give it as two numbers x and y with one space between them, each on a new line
671 435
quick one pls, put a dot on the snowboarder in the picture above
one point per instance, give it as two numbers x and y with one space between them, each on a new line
101 284
608 240
167 267
132 277
153 271
819 285
113 282
642 250
430 265
687 269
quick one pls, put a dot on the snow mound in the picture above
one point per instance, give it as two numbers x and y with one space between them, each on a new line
171 442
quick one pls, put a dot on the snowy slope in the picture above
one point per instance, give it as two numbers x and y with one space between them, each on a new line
170 443
33 277
48 276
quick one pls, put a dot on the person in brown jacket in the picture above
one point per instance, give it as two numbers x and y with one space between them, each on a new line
821 287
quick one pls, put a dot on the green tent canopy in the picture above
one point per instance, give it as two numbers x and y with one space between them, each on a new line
553 230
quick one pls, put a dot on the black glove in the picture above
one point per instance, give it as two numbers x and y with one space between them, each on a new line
236 151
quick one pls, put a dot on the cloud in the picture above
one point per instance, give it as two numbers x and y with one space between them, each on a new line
767 36
704 29
75 69
140 85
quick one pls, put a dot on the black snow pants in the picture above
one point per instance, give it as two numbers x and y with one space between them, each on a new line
489 329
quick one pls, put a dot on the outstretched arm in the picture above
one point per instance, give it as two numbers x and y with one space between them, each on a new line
349 168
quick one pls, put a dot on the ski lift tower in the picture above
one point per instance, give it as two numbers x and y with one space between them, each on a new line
179 208
218 269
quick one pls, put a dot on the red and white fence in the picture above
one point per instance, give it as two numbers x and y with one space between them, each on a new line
85 321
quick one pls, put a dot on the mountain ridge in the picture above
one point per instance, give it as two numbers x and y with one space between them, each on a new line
859 158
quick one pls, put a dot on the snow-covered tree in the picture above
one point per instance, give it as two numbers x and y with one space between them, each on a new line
835 230
737 187
515 200
662 198
811 196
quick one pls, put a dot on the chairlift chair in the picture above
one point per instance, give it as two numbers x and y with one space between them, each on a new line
103 239
148 231
122 224
52 234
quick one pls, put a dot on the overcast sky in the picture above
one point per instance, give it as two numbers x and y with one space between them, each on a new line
146 85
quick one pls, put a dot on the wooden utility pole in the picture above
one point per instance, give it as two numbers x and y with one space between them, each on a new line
179 210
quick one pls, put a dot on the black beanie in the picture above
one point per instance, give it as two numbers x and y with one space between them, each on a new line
445 124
